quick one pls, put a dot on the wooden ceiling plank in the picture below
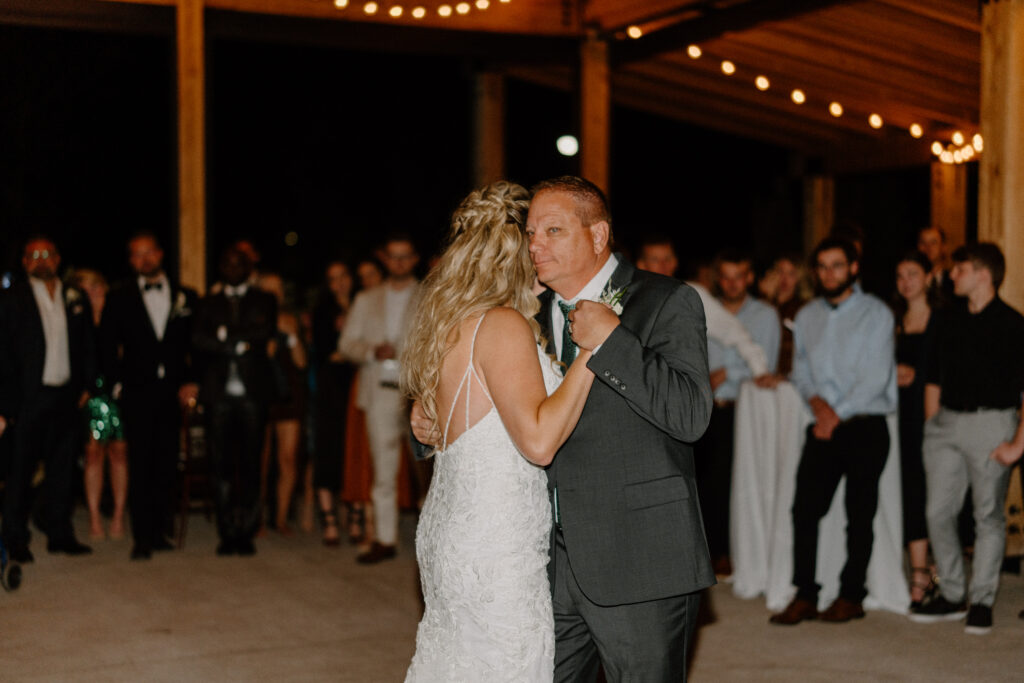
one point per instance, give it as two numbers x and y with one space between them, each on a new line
824 81
965 15
737 18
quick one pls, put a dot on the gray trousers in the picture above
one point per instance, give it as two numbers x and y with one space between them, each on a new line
644 642
957 446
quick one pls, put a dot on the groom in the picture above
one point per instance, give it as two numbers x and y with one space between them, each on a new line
628 555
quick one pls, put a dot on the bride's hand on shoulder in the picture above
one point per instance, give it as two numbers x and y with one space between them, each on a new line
592 322
423 427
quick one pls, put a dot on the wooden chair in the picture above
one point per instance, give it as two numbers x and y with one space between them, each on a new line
194 479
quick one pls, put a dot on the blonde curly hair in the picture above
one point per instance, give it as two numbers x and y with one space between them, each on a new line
486 264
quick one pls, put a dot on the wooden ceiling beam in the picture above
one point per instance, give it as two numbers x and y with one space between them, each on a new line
714 22
135 17
823 80
965 15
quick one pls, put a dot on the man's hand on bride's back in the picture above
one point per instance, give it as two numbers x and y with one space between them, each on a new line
423 427
592 322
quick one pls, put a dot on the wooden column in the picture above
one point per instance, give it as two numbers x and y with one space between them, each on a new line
191 145
819 209
949 202
595 110
1001 199
488 128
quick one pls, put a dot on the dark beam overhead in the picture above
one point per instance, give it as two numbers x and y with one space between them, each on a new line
713 22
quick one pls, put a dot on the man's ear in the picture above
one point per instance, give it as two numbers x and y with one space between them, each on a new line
854 267
599 232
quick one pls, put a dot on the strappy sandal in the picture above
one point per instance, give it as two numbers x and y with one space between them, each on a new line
329 522
928 588
356 523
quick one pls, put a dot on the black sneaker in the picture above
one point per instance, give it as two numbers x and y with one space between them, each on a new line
938 609
979 620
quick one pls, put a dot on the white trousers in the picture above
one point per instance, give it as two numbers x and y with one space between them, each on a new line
386 426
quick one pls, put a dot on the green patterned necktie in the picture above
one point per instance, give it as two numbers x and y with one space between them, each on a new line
569 347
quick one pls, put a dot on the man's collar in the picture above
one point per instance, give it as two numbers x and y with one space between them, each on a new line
592 290
160 279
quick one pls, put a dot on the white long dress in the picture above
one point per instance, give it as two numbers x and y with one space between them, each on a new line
482 547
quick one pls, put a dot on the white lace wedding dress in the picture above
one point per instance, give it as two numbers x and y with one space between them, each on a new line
482 547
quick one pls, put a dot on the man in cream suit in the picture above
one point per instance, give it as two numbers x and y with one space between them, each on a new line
373 338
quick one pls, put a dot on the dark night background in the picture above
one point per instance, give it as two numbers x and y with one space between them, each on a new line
343 147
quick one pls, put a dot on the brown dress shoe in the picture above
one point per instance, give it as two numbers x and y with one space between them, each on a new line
842 610
378 552
795 612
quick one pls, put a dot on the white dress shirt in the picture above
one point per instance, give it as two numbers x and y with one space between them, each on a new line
57 363
158 303
590 292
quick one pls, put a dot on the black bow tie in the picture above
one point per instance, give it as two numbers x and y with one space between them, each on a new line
153 285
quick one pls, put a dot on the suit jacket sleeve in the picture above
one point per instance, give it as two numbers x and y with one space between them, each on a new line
353 343
664 378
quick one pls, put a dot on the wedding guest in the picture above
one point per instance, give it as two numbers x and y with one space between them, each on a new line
333 383
915 332
46 331
931 241
787 293
104 429
714 451
373 338
146 343
844 367
657 255
285 415
972 434
231 335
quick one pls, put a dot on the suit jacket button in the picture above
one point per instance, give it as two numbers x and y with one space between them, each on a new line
607 373
622 386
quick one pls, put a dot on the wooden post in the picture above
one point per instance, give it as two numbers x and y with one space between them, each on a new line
191 145
819 209
949 202
595 111
488 129
1000 200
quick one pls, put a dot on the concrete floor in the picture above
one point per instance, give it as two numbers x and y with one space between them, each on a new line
298 611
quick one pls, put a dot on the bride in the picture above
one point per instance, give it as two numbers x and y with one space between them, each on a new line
474 362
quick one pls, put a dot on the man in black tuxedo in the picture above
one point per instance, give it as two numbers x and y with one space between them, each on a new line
146 335
628 556
231 334
46 334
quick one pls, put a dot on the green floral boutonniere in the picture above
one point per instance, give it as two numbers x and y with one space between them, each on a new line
613 297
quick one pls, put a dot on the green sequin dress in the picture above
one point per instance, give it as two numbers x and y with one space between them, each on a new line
103 416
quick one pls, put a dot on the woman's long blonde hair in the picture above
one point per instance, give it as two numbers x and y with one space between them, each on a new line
486 264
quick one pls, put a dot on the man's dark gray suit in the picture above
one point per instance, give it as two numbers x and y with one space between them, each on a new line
629 536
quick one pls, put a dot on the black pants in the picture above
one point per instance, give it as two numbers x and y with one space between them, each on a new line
46 429
236 440
714 456
331 412
152 421
857 450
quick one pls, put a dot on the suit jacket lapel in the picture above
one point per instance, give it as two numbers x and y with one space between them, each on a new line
622 278
140 305
543 319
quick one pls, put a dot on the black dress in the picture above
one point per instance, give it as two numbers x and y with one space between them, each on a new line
333 381
913 350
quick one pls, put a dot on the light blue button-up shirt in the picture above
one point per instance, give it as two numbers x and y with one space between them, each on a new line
762 322
845 355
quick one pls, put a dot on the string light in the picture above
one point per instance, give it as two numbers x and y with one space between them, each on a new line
482 4
875 121
798 96
762 83
694 52
835 109
419 12
728 68
915 130
341 4
462 8
946 157
445 10
977 142
958 138
634 32
370 8
937 148
395 11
